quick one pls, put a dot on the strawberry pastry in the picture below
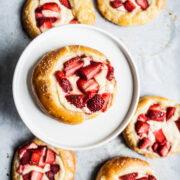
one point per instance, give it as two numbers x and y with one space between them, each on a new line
39 161
130 12
125 168
74 83
40 15
154 131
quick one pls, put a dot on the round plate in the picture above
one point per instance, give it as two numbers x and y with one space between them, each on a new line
91 133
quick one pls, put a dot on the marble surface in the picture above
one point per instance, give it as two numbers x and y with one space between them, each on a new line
155 47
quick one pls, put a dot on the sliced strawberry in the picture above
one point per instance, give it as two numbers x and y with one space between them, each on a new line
143 4
129 6
150 177
155 147
144 143
142 178
164 149
88 96
20 169
74 21
76 100
142 128
38 13
63 82
50 156
55 168
142 117
110 73
156 115
96 103
72 65
35 157
159 135
25 159
116 3
66 3
27 176
178 123
44 24
155 107
131 176
50 175
43 150
88 72
88 85
35 175
51 6
170 112
106 97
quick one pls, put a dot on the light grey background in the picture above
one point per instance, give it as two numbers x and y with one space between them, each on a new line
156 48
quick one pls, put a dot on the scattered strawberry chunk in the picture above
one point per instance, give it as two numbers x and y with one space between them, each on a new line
155 107
142 127
88 72
76 100
170 112
129 5
163 150
66 3
144 143
143 4
106 97
50 175
88 85
131 176
110 73
35 157
63 82
55 168
72 65
51 6
178 123
96 103
116 3
142 117
50 156
156 115
159 135
74 21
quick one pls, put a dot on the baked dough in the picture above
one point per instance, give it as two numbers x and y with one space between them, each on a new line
154 130
123 167
135 15
54 13
54 100
65 159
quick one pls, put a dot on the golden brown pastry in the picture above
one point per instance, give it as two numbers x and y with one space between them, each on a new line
74 83
41 15
154 130
39 161
130 12
125 168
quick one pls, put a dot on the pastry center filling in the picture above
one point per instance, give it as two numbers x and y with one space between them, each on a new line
86 84
50 14
129 5
137 176
38 162
156 139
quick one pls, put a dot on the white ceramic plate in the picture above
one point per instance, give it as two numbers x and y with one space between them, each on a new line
91 133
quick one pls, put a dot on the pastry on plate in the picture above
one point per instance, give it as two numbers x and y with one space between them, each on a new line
39 161
154 130
125 168
130 12
74 83
41 15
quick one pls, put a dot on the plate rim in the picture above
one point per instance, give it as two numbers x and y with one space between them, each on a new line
135 94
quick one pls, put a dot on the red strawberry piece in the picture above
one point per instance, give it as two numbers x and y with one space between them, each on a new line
178 123
131 176
88 96
35 157
156 115
159 135
142 178
26 158
63 82
142 127
88 85
170 112
155 147
143 4
129 6
38 13
50 175
150 177
35 175
71 66
116 3
20 169
66 3
155 107
88 72
144 143
142 117
31 145
110 73
55 168
106 97
164 149
43 150
76 100
44 24
51 6
27 176
96 103
74 21
50 156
